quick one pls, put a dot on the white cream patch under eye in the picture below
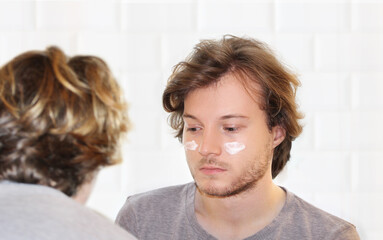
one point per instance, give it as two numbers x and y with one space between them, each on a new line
234 147
192 145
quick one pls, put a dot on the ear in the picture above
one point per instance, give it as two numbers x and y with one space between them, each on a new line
279 134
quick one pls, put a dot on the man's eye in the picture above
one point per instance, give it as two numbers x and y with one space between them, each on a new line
194 129
231 129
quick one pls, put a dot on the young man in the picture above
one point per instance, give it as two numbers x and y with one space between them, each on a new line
61 120
233 107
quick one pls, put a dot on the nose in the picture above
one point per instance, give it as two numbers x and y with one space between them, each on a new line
210 144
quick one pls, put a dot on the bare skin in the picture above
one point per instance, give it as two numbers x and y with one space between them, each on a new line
84 191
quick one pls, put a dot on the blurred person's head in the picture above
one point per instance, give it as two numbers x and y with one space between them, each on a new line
252 63
61 120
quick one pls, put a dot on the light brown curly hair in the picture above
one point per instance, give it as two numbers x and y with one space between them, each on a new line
254 63
61 119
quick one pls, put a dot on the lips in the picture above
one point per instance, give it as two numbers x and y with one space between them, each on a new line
211 170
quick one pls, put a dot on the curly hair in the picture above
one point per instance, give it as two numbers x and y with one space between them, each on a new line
254 63
61 119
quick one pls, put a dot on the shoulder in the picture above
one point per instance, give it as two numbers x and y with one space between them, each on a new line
159 197
314 214
54 215
318 221
141 212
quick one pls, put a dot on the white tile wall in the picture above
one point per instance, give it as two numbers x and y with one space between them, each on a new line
230 15
366 129
78 15
298 48
367 91
350 52
170 16
366 209
175 47
313 17
336 47
333 131
17 16
367 17
324 91
370 166
318 170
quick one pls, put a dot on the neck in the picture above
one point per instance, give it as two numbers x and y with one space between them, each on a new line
243 214
84 191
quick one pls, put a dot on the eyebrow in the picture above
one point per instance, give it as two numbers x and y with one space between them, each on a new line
225 117
232 116
185 115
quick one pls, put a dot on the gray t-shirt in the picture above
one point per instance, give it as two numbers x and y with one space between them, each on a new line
168 213
35 212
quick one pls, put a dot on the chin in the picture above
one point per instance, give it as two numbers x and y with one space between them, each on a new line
213 189
224 190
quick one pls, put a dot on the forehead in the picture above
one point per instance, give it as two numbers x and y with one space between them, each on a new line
230 95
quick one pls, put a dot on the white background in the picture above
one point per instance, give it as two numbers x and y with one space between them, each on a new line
336 47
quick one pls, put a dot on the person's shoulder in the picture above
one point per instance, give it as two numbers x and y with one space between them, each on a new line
140 212
53 212
162 199
319 220
316 214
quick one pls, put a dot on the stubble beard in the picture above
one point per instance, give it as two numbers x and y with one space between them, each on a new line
247 181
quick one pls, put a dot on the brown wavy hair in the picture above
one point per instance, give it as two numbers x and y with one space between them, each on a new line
61 119
252 62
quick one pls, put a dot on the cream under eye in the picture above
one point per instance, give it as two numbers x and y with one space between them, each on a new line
234 147
191 145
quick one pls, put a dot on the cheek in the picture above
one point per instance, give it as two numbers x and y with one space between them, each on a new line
190 145
233 148
192 156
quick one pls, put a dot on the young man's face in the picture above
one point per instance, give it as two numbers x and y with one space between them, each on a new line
227 141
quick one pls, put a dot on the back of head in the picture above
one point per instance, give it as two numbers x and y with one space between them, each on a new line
61 119
254 63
